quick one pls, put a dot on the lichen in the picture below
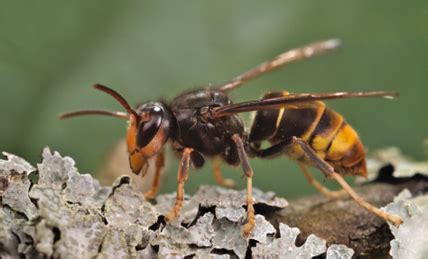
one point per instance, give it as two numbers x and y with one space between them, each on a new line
411 237
339 252
284 246
14 185
66 214
403 166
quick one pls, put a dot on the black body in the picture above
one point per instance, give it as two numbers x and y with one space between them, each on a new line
207 136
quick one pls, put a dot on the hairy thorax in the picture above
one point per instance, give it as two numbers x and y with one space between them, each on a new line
211 137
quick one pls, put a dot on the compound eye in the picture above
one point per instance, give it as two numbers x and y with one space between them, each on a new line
147 130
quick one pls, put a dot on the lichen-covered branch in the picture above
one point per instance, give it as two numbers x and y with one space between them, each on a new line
69 215
343 222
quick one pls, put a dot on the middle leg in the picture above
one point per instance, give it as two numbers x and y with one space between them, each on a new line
182 176
251 218
225 182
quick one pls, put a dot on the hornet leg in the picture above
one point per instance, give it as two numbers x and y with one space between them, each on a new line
251 219
279 148
321 188
328 170
274 150
182 176
160 163
225 182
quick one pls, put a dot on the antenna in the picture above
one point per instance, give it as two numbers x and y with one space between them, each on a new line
118 97
94 112
115 95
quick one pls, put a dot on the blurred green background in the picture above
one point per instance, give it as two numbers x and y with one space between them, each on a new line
51 52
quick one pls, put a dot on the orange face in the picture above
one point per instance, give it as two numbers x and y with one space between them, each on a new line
148 128
146 136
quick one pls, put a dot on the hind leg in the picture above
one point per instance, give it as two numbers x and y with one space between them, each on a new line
248 171
279 149
329 171
321 188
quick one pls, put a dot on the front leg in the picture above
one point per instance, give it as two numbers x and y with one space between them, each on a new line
160 164
251 219
182 176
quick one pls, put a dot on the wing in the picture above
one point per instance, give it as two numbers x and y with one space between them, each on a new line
287 57
291 100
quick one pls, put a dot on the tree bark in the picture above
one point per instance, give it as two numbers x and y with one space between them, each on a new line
342 221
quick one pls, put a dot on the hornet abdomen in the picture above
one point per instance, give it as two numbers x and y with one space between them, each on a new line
322 128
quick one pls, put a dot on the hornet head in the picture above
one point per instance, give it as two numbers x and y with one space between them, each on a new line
148 127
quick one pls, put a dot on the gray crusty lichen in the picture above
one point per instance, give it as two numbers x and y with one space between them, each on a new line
66 214
411 238
392 156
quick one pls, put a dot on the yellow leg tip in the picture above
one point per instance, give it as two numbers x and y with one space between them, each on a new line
251 222
247 229
335 195
394 220
170 216
150 195
228 183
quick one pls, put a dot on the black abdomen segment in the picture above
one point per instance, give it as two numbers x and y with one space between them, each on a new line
325 130
298 120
